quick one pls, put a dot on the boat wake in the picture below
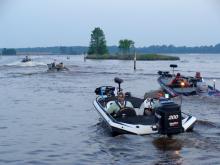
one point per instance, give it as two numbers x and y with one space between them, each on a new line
26 64
208 124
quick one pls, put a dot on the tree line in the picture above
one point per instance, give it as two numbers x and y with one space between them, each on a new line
8 51
98 46
75 50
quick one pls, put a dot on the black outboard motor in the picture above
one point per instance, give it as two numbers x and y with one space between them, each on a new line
168 118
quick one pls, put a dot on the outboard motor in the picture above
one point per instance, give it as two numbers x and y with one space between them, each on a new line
168 118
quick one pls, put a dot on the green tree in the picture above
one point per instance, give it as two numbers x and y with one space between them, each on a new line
97 42
8 51
63 50
125 46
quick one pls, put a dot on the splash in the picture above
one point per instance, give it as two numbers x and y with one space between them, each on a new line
26 64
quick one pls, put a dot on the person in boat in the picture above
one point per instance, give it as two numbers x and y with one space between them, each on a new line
160 95
179 81
26 59
119 104
150 103
53 64
200 84
198 77
176 80
147 107
60 65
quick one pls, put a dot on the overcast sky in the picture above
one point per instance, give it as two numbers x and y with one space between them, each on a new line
32 23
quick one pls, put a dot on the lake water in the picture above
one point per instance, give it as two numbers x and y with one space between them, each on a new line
49 118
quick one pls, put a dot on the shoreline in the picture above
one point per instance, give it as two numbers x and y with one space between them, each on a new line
139 57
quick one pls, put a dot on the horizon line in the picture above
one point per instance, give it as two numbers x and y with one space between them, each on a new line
30 47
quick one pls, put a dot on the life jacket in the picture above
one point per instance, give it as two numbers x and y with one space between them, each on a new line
118 104
176 80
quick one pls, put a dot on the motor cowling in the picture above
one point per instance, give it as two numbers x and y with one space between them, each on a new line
168 118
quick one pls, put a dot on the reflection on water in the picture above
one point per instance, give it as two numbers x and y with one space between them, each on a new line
168 144
169 150
48 118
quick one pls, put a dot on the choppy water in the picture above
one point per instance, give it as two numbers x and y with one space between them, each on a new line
48 118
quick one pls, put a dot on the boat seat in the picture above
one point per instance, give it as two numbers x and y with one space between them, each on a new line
136 102
109 104
139 111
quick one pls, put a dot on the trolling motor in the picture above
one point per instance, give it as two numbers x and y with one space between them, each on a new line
173 66
118 81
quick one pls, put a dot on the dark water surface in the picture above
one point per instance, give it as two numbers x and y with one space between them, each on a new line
48 118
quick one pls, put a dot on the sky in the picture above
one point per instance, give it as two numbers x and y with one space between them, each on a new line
42 23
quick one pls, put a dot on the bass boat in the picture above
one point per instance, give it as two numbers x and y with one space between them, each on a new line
166 118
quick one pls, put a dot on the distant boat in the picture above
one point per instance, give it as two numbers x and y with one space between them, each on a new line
26 59
208 90
56 67
176 84
185 85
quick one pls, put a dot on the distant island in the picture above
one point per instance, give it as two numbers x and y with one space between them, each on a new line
141 57
126 50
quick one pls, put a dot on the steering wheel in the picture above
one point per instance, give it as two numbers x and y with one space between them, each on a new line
127 111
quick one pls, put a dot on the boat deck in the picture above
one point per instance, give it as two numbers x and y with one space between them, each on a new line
144 120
